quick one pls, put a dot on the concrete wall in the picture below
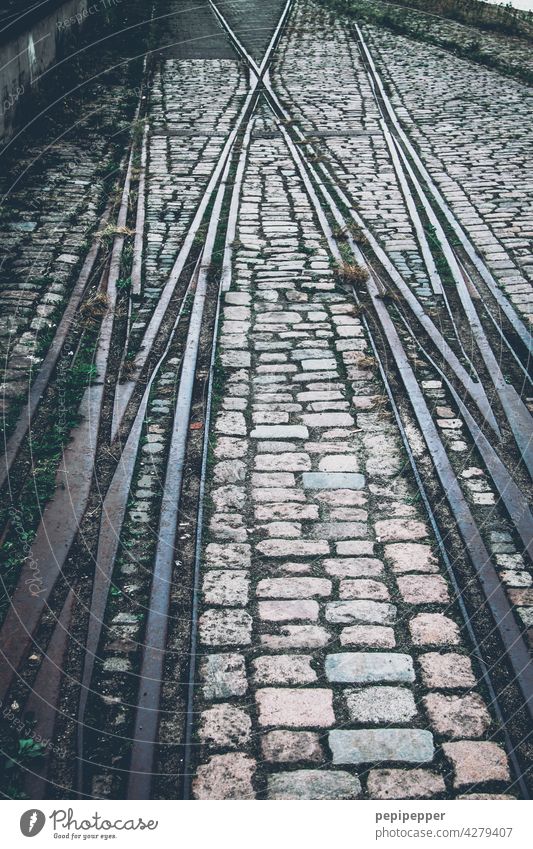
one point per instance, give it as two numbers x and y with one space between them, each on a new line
29 54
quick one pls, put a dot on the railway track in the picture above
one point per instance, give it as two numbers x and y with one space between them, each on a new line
185 342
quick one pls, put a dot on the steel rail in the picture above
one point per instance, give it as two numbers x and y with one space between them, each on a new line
416 306
516 503
39 385
434 277
233 211
102 361
193 649
136 266
497 325
42 703
510 633
225 285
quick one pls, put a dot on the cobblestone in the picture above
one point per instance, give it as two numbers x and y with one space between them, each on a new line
295 708
476 763
387 744
313 784
404 784
369 667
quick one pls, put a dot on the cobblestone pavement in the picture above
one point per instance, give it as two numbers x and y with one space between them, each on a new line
253 27
333 664
347 130
512 54
47 217
58 175
472 127
333 658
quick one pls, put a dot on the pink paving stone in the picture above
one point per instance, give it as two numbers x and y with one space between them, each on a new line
497 796
476 762
339 530
228 498
363 588
293 588
230 423
225 587
223 676
284 669
276 479
230 555
291 746
283 529
351 547
327 419
295 708
396 530
324 448
287 510
433 629
288 611
351 514
225 627
362 402
292 548
272 497
297 637
522 598
380 705
292 567
404 784
306 784
423 589
360 610
229 471
224 726
411 557
227 776
287 462
457 716
341 497
228 447
397 510
353 567
446 670
376 636
339 463
228 526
